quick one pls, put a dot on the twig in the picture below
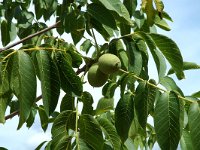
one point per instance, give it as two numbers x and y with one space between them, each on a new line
140 79
30 36
17 111
95 40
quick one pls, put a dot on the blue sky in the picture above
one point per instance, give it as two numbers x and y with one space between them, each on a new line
185 32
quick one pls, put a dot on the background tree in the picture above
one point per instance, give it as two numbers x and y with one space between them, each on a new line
130 34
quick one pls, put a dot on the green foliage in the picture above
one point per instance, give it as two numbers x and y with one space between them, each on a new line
120 119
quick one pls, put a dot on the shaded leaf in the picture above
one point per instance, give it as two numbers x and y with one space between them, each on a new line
67 102
130 6
102 14
86 45
196 94
69 79
50 81
124 114
158 57
63 122
90 132
111 132
87 100
43 118
5 37
166 121
64 143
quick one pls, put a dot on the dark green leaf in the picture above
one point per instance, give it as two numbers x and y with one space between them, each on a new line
102 14
124 114
64 143
87 100
166 121
90 132
40 145
23 83
158 57
130 5
194 124
5 92
69 79
43 118
31 118
186 66
104 105
50 82
67 102
135 57
171 51
5 37
109 89
111 132
63 122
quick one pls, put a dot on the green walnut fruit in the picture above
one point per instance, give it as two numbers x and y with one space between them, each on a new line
96 78
109 63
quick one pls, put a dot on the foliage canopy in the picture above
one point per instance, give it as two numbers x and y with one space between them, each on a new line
129 32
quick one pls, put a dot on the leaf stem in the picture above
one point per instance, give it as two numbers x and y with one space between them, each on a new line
95 40
140 79
76 128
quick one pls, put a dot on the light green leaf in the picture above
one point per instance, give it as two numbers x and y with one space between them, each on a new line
82 145
196 94
186 66
23 83
50 81
86 45
171 51
166 121
186 141
111 132
124 114
90 132
170 84
102 14
158 57
104 105
161 23
118 7
194 124
159 5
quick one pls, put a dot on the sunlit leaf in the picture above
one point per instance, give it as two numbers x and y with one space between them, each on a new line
194 124
186 66
171 51
23 83
104 105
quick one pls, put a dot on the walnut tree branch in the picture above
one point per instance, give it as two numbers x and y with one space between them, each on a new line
17 111
30 36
